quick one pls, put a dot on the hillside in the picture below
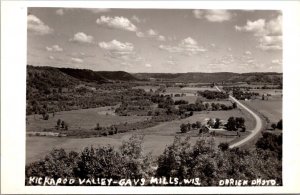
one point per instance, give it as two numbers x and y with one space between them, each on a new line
117 75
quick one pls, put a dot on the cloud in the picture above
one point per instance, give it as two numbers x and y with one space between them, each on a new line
76 60
60 12
140 34
115 45
51 57
98 10
136 19
36 26
54 48
188 46
152 32
268 43
248 53
269 34
213 15
161 38
81 37
148 65
277 62
117 23
258 27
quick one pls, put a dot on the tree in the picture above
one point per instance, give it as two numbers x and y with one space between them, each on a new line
273 126
62 124
279 124
191 113
211 122
240 122
223 146
58 123
183 128
198 124
217 123
231 124
234 105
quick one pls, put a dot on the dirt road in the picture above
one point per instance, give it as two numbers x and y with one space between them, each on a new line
254 131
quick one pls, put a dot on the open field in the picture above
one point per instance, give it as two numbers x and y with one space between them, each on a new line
81 119
198 89
155 140
147 88
272 109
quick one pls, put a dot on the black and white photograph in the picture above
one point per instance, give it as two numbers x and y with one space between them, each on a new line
162 97
157 97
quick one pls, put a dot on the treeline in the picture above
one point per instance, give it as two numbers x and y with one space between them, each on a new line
204 160
213 94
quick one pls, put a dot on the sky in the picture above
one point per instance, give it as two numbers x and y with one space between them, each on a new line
155 40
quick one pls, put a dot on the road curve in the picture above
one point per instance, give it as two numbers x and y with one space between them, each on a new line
254 131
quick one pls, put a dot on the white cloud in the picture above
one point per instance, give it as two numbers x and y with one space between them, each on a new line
76 60
161 38
148 65
277 62
136 19
248 53
60 12
188 46
54 48
268 43
140 34
274 27
218 15
198 13
117 22
81 37
51 57
213 15
258 27
269 33
152 32
115 45
35 25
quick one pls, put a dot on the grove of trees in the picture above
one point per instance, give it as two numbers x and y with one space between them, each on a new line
181 159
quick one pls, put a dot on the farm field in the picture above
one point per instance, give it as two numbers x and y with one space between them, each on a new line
272 109
81 119
155 138
147 88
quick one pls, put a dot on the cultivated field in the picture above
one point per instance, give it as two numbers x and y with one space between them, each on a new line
81 119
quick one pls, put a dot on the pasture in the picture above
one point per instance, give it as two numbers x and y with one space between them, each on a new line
155 138
272 109
81 119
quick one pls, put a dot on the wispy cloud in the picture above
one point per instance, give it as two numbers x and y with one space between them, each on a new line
213 15
188 46
54 48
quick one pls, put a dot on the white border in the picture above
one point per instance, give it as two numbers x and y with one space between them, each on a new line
13 81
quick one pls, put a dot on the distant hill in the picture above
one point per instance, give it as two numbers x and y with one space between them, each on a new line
40 77
266 77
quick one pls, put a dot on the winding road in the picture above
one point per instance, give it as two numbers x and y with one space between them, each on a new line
254 131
